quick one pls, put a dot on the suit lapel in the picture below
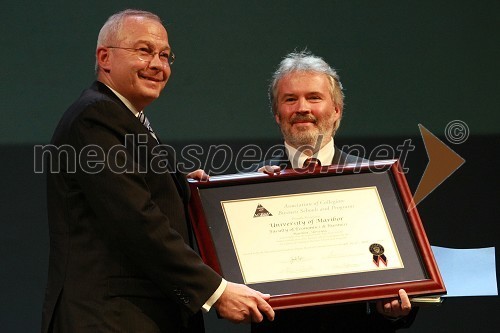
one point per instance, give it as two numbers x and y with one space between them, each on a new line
338 156
139 128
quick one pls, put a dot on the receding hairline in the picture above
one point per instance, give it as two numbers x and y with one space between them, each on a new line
111 30
113 27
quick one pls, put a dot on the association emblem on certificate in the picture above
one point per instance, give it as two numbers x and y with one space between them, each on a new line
312 234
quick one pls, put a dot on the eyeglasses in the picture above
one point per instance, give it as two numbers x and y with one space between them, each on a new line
145 54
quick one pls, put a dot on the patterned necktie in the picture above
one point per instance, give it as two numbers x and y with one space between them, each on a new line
311 163
144 120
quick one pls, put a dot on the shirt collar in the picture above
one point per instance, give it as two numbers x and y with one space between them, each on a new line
125 101
324 155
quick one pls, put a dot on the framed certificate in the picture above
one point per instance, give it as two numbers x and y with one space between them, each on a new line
332 235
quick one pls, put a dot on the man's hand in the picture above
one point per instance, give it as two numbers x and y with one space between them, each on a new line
271 170
396 307
241 304
199 175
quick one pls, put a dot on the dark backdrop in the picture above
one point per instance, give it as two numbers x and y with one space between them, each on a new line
402 63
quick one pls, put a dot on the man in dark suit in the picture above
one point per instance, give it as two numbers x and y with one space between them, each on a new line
307 102
120 255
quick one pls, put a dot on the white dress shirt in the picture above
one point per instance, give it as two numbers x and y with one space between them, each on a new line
324 155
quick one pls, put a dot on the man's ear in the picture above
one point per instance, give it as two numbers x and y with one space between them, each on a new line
102 56
277 118
338 111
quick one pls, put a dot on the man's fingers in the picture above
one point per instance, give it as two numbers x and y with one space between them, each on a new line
405 300
266 297
395 306
270 169
199 175
239 303
261 308
255 314
388 307
265 308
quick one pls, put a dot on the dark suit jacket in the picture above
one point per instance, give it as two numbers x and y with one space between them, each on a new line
352 318
120 259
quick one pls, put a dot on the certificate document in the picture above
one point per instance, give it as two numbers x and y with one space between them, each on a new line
311 234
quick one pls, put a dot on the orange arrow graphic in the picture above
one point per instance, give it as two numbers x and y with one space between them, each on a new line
443 161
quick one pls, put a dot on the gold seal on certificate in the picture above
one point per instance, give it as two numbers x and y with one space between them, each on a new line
378 254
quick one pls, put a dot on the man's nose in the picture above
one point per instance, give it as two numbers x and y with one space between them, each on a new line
303 105
156 63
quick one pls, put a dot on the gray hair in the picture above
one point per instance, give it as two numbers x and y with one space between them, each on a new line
305 61
112 28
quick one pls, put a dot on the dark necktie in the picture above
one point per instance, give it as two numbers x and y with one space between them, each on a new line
144 120
311 163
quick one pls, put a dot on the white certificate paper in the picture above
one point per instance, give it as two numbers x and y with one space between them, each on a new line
311 234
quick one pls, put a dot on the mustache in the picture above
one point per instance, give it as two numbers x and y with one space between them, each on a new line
302 118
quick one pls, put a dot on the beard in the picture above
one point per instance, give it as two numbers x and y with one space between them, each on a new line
307 137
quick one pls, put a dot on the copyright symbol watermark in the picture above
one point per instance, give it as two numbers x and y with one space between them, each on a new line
456 132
